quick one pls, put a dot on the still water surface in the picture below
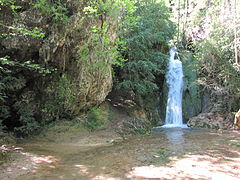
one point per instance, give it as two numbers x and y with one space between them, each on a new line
165 154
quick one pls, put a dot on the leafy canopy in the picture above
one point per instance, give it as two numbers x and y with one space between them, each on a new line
146 42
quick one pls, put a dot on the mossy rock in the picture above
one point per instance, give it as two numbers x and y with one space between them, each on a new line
191 95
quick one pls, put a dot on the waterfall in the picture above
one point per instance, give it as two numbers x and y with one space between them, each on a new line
175 84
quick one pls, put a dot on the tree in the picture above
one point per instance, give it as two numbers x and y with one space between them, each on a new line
212 30
146 48
235 32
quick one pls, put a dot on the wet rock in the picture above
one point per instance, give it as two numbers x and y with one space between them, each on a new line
209 120
191 102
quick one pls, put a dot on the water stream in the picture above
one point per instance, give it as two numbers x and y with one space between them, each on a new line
175 84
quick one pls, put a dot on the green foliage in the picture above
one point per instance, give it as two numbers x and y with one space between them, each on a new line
12 30
216 53
6 64
104 50
153 31
139 77
7 84
9 3
11 109
208 30
100 44
28 123
62 98
191 89
16 31
56 10
216 71
111 113
66 91
25 122
98 116
146 42
109 8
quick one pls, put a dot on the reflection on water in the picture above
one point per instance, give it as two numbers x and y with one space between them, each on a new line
175 136
175 140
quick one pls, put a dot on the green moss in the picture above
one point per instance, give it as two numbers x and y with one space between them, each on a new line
94 119
98 116
111 113
191 94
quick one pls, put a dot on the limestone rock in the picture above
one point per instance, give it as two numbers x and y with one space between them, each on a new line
61 49
237 119
210 120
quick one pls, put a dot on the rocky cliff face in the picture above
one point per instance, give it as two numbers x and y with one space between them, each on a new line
74 49
191 91
91 74
215 113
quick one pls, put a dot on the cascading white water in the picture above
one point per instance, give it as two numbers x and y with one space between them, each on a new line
175 83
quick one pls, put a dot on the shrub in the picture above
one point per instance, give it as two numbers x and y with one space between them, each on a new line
28 123
56 10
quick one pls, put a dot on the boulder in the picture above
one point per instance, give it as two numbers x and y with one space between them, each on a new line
237 119
210 120
68 48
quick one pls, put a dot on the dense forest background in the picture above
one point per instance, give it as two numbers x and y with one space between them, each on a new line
62 59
